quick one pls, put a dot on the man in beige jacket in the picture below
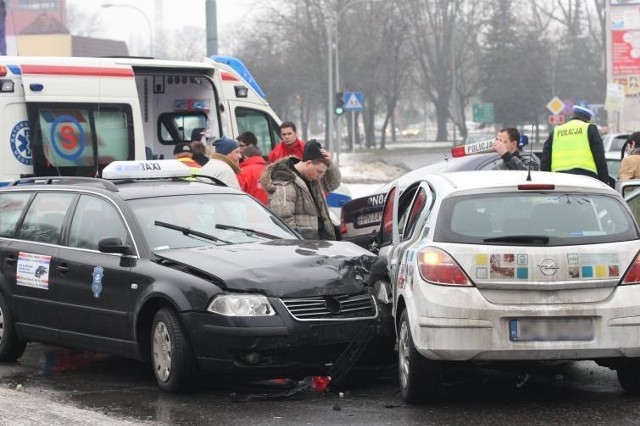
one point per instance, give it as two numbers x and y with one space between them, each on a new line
630 165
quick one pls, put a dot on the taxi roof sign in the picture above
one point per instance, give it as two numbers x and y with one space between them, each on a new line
156 169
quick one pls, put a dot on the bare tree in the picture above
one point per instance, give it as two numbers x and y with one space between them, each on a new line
80 23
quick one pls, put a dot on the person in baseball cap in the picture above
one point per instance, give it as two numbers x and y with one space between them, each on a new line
183 153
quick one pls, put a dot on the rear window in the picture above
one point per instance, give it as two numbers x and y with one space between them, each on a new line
554 219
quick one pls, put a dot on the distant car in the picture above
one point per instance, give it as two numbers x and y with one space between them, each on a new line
490 267
412 132
614 142
360 217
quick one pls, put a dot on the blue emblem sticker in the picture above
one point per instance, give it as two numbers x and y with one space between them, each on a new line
20 141
96 285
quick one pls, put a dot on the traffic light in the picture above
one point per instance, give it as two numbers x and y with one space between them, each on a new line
339 109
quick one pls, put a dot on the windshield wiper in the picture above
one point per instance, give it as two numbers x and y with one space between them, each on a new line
189 231
248 231
523 239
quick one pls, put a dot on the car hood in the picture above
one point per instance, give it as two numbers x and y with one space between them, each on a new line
291 268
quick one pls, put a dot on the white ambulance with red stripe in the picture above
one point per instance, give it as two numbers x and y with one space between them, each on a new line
73 116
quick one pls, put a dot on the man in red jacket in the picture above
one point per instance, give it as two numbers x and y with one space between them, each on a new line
289 145
250 170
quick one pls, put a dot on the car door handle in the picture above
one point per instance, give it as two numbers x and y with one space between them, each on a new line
63 269
10 260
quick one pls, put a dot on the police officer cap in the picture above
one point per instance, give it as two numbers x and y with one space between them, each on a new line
586 112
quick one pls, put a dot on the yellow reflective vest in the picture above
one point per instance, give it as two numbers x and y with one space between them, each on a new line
571 148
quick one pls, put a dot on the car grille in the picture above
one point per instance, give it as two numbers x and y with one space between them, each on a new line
332 308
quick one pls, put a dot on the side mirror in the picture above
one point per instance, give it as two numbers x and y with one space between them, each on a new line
114 245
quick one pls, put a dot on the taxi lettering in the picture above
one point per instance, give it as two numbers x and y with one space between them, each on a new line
150 166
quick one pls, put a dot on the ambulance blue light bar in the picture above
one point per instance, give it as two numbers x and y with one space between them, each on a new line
156 169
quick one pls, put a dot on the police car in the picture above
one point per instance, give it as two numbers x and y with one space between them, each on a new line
193 276
360 217
491 266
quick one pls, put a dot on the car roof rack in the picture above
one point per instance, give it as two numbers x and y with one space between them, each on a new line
66 180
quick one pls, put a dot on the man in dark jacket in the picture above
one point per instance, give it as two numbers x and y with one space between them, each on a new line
506 145
576 147
297 190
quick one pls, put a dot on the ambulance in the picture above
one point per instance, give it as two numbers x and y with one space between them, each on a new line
72 116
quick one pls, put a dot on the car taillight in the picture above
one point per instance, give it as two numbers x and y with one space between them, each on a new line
438 267
633 274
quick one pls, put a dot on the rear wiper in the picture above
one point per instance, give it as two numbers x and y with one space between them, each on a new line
248 231
189 231
523 239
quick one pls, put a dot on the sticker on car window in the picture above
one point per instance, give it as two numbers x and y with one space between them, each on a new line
33 270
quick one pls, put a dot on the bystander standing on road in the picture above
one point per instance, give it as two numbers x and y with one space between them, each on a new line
297 191
250 170
630 165
576 147
200 154
223 164
183 153
289 145
506 145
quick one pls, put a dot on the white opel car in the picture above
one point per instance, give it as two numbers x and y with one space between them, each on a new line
511 266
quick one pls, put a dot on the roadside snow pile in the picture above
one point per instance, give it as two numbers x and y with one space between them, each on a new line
372 171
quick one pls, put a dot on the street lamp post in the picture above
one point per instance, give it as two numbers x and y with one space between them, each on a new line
330 29
107 5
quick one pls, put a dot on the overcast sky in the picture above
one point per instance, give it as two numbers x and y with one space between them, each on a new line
120 22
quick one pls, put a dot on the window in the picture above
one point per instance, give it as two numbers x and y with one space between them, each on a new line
174 127
562 218
260 124
414 213
45 217
79 139
387 219
11 208
93 220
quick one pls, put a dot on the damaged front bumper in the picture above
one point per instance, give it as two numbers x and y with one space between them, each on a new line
305 337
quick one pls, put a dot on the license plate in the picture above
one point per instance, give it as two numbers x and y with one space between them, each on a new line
550 329
368 219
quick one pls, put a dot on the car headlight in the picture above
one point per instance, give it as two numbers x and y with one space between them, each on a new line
241 305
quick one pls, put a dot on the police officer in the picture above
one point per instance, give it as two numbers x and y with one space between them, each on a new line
576 147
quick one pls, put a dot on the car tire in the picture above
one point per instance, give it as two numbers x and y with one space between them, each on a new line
629 375
420 378
11 348
171 354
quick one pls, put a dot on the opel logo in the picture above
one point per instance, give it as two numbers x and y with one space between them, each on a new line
548 267
332 305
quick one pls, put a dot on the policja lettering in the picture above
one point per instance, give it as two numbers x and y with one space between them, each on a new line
568 132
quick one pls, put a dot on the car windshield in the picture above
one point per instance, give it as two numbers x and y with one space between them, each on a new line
533 218
219 216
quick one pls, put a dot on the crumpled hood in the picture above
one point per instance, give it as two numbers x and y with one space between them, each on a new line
281 268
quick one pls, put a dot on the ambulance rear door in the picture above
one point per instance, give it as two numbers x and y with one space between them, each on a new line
83 114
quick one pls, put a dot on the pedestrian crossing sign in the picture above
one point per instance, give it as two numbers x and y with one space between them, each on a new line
353 101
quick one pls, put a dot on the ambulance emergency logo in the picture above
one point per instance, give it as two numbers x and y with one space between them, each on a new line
20 141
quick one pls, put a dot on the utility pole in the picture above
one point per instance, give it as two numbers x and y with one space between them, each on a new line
3 33
212 28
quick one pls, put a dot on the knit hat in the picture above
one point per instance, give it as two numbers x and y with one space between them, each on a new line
583 111
182 147
312 151
225 145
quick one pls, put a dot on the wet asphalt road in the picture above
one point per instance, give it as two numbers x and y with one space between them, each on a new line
570 393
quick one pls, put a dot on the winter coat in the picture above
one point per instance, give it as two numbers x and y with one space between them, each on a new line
222 168
291 200
283 150
630 166
249 178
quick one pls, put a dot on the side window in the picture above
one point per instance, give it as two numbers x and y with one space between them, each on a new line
45 217
406 201
261 125
386 225
93 220
79 139
175 127
414 213
11 208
